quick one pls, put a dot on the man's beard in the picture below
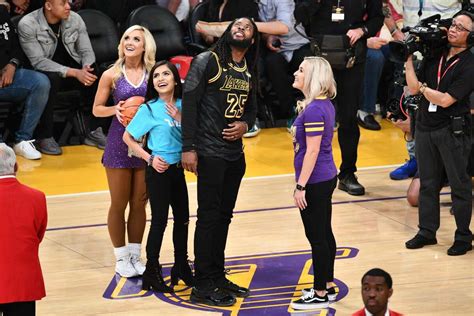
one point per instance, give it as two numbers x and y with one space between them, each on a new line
245 43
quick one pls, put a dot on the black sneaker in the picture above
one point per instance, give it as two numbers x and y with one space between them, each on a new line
310 300
233 288
419 242
350 184
331 292
459 248
215 297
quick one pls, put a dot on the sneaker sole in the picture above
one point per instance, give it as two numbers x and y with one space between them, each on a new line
252 134
198 300
93 144
309 306
28 157
331 297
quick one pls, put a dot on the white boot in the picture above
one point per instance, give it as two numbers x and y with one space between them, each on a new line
123 265
135 254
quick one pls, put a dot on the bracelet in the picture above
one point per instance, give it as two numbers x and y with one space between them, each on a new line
394 31
150 160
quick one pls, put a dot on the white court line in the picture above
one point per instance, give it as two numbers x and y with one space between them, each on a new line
194 183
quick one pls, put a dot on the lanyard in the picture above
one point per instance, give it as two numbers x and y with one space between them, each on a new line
441 61
420 11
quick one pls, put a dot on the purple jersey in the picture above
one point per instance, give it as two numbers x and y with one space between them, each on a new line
316 120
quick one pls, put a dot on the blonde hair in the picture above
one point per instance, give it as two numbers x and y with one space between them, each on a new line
318 81
148 58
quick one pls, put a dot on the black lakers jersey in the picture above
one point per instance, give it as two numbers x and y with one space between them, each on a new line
214 96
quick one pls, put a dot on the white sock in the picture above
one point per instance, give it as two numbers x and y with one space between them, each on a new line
135 249
121 252
362 114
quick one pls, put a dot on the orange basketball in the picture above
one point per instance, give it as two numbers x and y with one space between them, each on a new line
130 107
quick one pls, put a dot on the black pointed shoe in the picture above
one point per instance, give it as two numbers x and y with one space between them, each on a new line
369 123
214 297
419 242
459 248
350 184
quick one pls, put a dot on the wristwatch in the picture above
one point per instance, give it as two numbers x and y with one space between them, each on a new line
150 160
423 88
300 187
15 62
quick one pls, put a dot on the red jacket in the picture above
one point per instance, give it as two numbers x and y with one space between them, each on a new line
362 313
23 221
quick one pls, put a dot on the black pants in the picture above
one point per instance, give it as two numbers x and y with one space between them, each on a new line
280 74
349 91
317 225
218 186
437 151
18 309
165 189
45 127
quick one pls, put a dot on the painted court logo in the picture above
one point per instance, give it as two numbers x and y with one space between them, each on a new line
274 281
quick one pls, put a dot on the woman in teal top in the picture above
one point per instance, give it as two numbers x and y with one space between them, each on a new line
160 119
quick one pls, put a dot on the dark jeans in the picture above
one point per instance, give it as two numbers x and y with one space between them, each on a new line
317 226
373 71
218 186
349 91
165 189
280 74
32 89
45 127
18 309
437 151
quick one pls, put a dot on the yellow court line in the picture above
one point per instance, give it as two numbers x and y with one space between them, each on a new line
272 294
118 288
280 287
270 300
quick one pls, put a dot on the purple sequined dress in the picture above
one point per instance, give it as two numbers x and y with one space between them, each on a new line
116 151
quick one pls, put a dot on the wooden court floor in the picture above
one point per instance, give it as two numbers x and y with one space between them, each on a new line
267 248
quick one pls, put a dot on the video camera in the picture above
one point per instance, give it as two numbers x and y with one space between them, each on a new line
427 37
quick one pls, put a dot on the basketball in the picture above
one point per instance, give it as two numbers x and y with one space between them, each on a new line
130 107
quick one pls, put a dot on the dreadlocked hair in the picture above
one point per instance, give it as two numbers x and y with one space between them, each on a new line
224 52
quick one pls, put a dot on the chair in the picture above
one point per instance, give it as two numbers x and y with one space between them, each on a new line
103 35
166 31
198 13
5 110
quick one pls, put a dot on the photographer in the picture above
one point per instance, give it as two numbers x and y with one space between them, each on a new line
443 126
350 23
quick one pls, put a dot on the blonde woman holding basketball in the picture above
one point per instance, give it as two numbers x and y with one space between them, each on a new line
315 174
125 175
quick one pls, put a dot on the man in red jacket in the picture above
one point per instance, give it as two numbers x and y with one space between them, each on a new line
23 219
376 290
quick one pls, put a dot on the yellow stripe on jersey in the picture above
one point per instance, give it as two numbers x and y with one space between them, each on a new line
314 129
314 123
220 69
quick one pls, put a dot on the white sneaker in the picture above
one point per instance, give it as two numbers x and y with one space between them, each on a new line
137 264
27 149
124 267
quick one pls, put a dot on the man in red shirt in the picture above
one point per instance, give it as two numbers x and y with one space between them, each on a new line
23 221
376 290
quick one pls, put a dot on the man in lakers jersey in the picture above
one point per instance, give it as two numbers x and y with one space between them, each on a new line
219 105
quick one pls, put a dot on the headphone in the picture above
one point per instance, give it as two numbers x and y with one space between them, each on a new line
470 36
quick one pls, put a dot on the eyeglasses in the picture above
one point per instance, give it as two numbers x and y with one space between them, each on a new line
459 27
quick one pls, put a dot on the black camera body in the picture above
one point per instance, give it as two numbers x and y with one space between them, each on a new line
428 37
402 107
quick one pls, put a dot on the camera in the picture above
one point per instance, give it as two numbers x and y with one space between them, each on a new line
401 107
427 37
